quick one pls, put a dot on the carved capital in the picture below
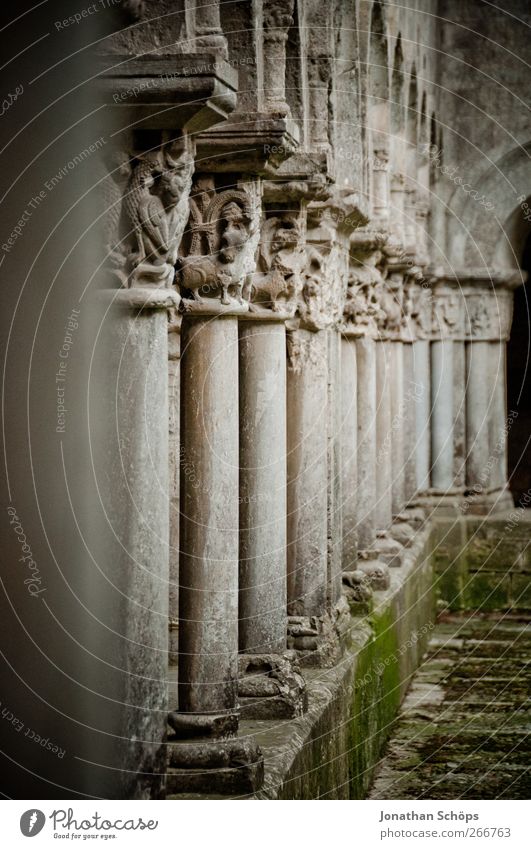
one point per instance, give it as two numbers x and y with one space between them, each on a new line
217 257
488 314
277 18
418 308
447 313
145 208
325 277
277 283
362 313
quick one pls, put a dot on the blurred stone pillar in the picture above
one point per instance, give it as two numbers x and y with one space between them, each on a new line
447 315
217 256
314 444
359 370
488 299
349 451
139 260
174 418
277 18
206 26
270 683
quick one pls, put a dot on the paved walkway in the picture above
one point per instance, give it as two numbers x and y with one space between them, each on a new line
463 730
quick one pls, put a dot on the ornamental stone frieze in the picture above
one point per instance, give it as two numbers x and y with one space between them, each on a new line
217 256
473 305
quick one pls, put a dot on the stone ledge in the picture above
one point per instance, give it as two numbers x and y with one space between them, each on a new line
331 751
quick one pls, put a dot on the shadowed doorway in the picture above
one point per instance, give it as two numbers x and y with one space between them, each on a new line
519 388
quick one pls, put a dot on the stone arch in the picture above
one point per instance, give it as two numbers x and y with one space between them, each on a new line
488 204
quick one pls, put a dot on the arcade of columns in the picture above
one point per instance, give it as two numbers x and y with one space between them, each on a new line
326 385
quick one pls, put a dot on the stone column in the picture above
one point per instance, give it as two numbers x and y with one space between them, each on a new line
365 319
384 470
264 454
421 366
420 327
218 254
488 317
366 380
307 388
208 592
460 369
270 682
442 415
499 415
209 35
478 401
349 451
411 399
314 471
132 471
175 462
363 571
446 317
277 18
263 594
398 426
380 186
139 259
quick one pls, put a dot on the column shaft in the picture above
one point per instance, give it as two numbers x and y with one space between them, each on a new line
411 399
262 595
421 368
498 418
307 402
208 592
333 464
442 415
384 472
478 400
349 460
366 453
459 413
397 457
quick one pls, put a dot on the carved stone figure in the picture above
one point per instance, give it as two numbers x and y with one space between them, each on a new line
277 282
156 211
218 255
145 207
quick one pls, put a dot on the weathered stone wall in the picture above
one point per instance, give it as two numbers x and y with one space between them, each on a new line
331 751
484 564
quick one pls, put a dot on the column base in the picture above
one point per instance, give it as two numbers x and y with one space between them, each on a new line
318 640
214 767
270 686
414 516
205 725
387 549
358 590
466 502
401 531
486 503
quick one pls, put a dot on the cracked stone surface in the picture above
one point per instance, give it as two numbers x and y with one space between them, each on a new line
463 729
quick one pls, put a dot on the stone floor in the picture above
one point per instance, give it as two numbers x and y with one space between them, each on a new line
463 729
